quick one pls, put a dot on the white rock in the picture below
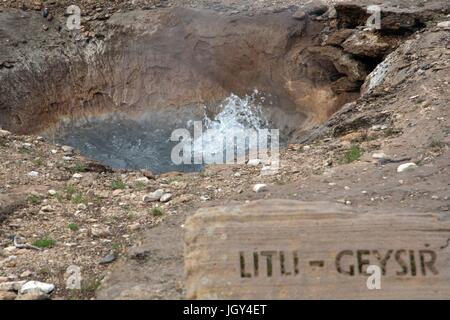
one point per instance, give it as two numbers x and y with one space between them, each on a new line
306 148
117 192
77 176
379 155
144 180
33 285
52 192
47 209
100 231
9 249
33 174
444 24
82 207
259 188
54 151
406 167
26 274
268 171
377 127
4 133
166 197
154 196
67 149
27 145
254 162
134 227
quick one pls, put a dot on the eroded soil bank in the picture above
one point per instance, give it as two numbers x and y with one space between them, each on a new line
147 60
312 66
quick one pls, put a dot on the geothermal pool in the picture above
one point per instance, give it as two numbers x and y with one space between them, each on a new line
147 142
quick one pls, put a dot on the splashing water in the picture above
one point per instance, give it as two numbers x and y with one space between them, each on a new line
238 113
234 117
144 143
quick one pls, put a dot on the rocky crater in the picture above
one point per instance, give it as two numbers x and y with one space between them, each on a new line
171 59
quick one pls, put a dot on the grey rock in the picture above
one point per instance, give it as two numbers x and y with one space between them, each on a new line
67 149
32 286
110 258
166 197
4 133
444 25
33 294
154 196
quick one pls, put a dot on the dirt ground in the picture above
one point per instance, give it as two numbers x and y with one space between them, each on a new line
81 213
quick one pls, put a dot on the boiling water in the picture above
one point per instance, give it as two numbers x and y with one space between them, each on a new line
144 143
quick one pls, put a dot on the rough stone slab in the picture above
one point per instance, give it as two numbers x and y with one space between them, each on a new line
324 248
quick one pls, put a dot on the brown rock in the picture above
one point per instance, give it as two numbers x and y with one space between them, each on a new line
338 37
7 295
148 174
342 61
315 8
365 44
11 286
283 249
299 15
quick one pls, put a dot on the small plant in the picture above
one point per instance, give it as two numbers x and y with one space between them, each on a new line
73 226
436 145
44 272
174 180
59 197
70 191
118 185
89 286
34 199
78 198
158 211
116 247
353 154
390 132
139 186
24 150
44 243
80 167
38 162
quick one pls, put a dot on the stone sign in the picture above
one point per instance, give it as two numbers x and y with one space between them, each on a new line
283 249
